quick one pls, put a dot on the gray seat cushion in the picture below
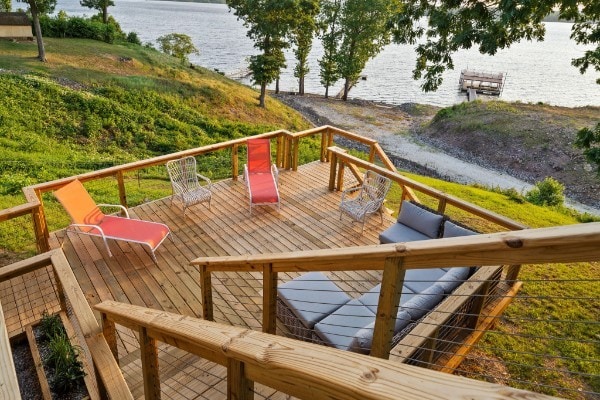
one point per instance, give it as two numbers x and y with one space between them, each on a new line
418 280
420 219
453 230
400 233
371 298
424 302
363 338
453 278
312 297
339 328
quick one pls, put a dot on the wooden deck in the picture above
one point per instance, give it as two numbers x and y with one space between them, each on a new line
308 219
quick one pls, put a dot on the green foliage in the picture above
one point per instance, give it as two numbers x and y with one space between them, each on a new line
132 37
64 359
63 26
329 28
589 141
178 45
100 5
51 326
548 192
269 22
450 27
303 33
5 5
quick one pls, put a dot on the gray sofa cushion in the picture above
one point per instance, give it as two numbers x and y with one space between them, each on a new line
453 278
371 298
339 328
424 302
418 280
363 338
420 219
453 230
400 233
312 297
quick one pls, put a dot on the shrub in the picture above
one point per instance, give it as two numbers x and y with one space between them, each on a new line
68 369
63 26
132 37
51 326
548 192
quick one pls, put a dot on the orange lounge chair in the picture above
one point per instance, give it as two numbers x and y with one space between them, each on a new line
260 175
86 218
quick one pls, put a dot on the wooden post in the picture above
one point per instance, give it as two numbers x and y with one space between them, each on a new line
296 153
286 152
427 357
149 354
206 287
235 162
60 291
110 335
122 191
279 151
442 205
340 176
269 299
324 140
512 273
387 309
332 170
238 386
372 154
40 227
476 308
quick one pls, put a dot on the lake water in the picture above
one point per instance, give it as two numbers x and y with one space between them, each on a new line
536 71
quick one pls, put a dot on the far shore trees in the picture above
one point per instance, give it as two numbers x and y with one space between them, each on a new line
5 5
178 45
270 22
37 8
588 139
100 5
303 34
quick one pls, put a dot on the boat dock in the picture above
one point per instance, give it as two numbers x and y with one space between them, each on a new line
481 82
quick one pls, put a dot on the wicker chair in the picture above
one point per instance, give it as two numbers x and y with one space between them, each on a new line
369 199
186 186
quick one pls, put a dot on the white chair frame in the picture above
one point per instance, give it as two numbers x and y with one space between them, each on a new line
185 182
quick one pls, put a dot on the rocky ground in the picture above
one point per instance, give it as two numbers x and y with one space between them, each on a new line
412 144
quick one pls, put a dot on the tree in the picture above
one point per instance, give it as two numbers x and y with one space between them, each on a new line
453 25
100 5
589 141
269 22
304 31
37 8
365 30
5 5
329 28
178 45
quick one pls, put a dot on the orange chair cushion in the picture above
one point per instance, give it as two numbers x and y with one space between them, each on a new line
134 230
79 204
263 188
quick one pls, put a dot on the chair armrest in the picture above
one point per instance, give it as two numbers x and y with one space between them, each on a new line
96 227
349 191
245 173
206 179
115 206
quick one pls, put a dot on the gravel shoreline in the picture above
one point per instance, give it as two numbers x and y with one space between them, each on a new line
391 125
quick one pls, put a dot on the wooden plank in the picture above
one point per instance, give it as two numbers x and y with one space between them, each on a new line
9 385
39 365
238 386
149 354
269 299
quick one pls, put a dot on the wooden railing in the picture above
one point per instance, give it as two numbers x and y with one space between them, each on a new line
107 371
549 245
299 369
287 156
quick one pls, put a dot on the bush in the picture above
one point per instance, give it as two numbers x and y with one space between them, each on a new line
63 26
548 192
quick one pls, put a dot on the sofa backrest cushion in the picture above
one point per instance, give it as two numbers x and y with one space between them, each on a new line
371 298
422 220
424 302
363 338
453 278
453 230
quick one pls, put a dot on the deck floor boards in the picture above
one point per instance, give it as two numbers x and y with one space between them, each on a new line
308 219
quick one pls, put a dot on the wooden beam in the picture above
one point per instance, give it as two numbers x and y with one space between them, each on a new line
269 299
235 162
206 288
238 386
122 190
387 308
9 385
149 355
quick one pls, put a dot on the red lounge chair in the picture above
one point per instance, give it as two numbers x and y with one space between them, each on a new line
260 175
86 218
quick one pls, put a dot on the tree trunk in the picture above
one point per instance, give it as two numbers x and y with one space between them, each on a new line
346 89
105 14
38 30
263 91
327 91
277 86
301 86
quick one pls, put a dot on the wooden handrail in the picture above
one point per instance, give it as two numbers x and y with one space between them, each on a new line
300 369
9 384
106 367
342 156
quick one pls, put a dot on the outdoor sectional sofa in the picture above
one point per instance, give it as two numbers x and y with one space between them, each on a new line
314 308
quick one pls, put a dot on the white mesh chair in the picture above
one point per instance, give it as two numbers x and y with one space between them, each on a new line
186 187
368 200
